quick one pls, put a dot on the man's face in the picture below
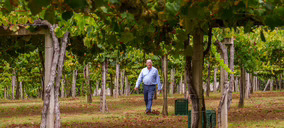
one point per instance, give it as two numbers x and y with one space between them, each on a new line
149 64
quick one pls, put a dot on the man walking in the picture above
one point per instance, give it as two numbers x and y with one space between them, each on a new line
150 78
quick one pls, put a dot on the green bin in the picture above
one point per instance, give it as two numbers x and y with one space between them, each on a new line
210 117
181 107
213 118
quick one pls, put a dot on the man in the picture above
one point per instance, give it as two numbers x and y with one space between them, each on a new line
150 78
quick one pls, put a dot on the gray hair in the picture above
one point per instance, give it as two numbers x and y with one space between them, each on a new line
149 61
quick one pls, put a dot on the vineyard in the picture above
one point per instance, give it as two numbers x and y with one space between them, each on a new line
83 58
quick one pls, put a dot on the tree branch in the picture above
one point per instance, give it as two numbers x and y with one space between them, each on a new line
58 78
52 70
209 42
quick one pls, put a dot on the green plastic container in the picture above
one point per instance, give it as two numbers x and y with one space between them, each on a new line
181 107
213 118
210 117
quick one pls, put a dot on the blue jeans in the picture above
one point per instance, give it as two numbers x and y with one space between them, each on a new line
149 91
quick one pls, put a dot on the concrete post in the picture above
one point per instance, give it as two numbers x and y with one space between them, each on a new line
48 62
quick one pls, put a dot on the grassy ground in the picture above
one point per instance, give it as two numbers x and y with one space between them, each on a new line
261 110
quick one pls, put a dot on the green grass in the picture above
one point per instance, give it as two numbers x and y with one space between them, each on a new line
261 110
259 124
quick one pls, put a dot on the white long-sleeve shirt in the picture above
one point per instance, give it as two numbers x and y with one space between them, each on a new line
149 77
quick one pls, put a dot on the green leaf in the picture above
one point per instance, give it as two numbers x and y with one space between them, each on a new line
36 5
98 3
115 27
114 1
172 8
248 26
77 4
67 15
262 36
89 30
128 16
195 12
50 15
269 6
274 20
126 37
59 32
124 15
227 14
8 6
35 9
279 11
112 39
181 35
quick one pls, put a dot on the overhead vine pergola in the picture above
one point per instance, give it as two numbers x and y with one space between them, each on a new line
197 17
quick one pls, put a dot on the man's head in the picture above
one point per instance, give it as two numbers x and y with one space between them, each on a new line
149 64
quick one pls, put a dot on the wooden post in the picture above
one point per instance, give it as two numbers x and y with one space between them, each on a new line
62 87
231 84
127 87
208 79
116 90
111 84
13 83
237 84
48 62
242 87
180 90
271 85
222 75
280 82
172 82
266 85
21 90
8 95
223 107
122 78
225 88
185 85
42 87
97 88
215 80
251 83
165 97
103 104
74 83
256 84
88 84
247 86
25 94
5 92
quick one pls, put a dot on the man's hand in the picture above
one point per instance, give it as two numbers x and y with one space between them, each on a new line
135 89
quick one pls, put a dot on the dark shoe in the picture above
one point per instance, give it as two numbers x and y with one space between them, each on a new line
148 112
155 112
